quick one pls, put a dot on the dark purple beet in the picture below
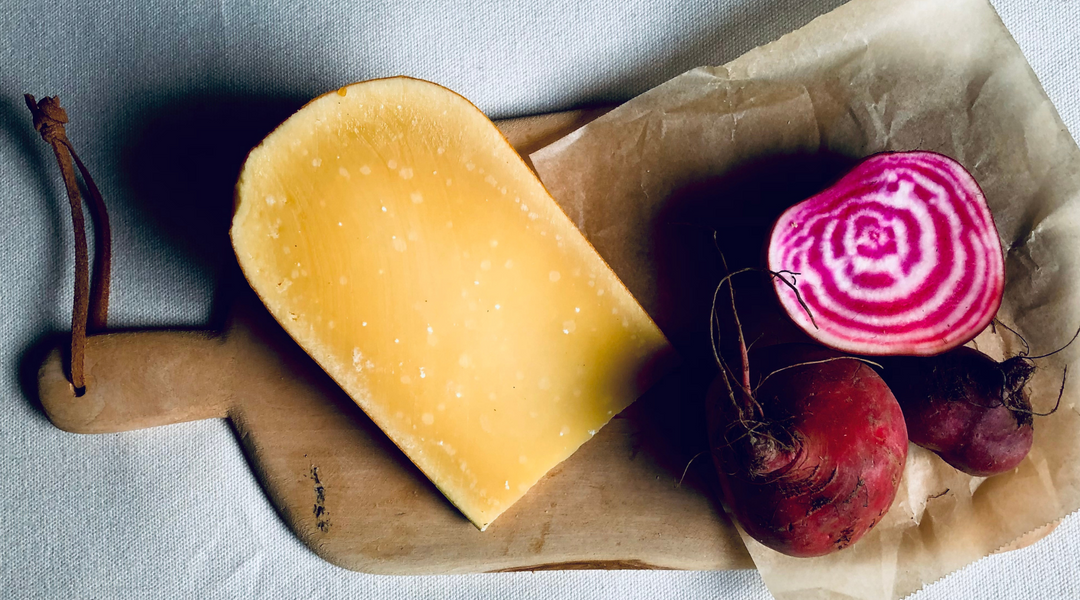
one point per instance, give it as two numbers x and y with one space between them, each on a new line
969 409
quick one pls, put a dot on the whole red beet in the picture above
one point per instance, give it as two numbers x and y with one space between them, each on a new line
969 409
810 460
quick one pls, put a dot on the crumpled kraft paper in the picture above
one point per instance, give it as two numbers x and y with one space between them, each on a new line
725 149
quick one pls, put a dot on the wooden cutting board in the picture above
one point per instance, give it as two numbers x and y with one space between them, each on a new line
344 488
356 500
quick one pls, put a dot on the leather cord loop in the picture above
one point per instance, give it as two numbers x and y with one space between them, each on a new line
91 306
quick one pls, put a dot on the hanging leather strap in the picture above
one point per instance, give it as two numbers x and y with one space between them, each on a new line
91 309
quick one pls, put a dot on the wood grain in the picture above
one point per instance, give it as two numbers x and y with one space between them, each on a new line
357 501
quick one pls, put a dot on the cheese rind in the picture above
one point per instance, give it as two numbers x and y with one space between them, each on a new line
400 240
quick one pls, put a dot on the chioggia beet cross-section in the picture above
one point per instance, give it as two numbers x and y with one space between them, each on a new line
901 256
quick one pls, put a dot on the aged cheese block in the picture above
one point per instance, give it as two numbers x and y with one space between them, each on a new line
400 240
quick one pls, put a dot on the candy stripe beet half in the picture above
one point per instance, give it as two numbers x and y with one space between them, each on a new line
900 257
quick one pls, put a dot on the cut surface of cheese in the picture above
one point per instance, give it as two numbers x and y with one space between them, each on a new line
400 240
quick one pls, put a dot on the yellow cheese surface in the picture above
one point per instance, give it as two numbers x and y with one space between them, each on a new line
400 240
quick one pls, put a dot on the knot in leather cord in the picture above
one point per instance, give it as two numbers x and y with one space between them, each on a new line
49 118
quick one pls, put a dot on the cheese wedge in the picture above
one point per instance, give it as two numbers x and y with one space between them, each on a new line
399 239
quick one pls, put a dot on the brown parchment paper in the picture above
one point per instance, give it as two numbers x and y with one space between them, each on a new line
725 148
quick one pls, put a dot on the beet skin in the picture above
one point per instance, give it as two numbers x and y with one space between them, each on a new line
813 459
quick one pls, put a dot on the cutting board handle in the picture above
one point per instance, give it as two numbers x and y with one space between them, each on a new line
140 379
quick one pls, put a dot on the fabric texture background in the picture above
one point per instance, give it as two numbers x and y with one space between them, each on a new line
165 99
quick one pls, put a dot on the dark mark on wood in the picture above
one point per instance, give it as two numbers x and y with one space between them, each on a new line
322 516
537 545
936 496
637 440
